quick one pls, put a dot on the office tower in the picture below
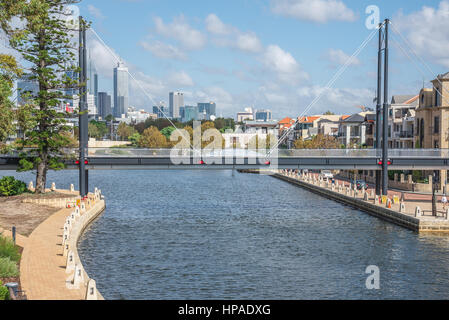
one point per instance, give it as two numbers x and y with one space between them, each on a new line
91 106
72 75
92 81
26 89
209 109
160 111
121 90
176 101
263 115
190 113
104 105
181 112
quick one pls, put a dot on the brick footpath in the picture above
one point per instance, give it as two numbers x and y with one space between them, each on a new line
42 267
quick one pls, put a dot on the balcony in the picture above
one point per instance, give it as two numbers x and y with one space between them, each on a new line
406 134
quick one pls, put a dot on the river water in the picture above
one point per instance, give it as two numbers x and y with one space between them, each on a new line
218 235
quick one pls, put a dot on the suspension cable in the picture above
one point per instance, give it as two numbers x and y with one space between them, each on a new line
118 60
328 86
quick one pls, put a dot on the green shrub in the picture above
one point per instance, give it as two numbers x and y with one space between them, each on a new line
8 268
9 186
9 250
4 292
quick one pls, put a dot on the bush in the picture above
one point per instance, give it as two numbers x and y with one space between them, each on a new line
9 186
8 268
4 292
9 250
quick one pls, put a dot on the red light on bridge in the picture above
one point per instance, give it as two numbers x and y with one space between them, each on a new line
86 162
77 162
381 163
201 162
267 163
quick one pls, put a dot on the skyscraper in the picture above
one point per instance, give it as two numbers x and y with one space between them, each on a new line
208 108
263 115
121 90
176 101
104 105
92 82
26 89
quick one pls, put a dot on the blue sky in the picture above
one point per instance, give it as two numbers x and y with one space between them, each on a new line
276 54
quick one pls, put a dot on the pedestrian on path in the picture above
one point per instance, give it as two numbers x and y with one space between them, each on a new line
444 201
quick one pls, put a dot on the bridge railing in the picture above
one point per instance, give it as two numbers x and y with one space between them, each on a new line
245 153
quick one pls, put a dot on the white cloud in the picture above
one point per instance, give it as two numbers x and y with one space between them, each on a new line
94 11
181 79
320 11
338 57
180 30
229 36
249 42
216 26
426 31
345 99
163 50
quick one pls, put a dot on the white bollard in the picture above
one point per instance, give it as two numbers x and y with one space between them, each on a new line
53 186
83 207
30 186
418 212
365 196
72 188
91 293
66 250
402 207
376 199
70 265
78 277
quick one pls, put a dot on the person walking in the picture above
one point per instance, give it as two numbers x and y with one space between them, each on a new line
444 201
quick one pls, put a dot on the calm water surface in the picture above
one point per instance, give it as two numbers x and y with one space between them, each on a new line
214 235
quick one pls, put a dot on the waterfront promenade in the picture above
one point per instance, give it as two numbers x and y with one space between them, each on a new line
43 273
415 212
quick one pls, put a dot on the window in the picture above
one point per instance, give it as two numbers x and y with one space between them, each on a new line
436 125
437 97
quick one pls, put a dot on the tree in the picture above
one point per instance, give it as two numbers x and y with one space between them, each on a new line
167 131
134 139
97 129
319 141
124 131
9 71
43 39
152 138
329 113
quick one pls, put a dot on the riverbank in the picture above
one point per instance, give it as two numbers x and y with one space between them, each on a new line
50 268
412 215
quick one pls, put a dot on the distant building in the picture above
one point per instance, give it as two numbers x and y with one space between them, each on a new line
190 113
121 90
176 101
209 109
263 115
248 114
26 87
91 105
353 130
431 121
138 116
260 127
104 105
161 110
401 121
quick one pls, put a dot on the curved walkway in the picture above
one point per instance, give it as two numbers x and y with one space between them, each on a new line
43 267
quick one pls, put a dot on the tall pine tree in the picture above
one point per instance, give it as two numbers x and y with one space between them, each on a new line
40 32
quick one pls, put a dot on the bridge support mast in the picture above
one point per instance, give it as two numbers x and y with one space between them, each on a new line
378 143
386 108
83 112
385 116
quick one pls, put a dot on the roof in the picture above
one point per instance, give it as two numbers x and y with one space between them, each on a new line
308 119
354 118
344 118
404 99
287 121
443 76
370 117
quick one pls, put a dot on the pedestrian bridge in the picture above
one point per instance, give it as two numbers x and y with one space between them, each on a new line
219 159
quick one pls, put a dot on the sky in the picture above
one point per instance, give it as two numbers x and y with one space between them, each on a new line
267 54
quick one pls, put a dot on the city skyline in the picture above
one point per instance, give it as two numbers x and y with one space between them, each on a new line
237 61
